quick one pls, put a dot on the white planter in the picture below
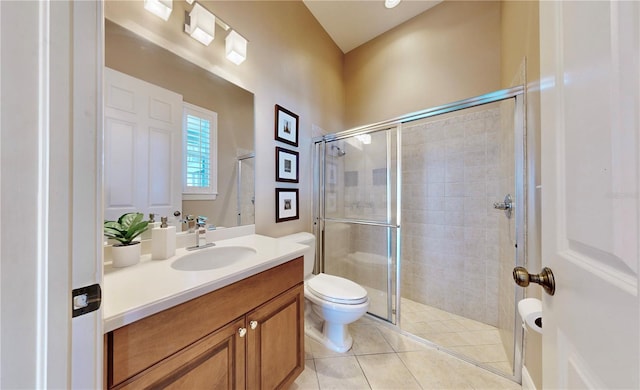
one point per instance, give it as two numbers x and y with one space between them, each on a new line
124 256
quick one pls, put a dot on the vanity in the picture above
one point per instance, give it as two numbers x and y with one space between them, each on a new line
238 324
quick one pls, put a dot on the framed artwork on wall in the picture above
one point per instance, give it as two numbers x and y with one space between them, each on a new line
286 126
287 208
286 165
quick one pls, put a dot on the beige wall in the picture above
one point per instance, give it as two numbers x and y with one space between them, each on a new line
520 40
448 53
291 61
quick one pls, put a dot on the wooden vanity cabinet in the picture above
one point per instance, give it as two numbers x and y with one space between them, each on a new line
247 335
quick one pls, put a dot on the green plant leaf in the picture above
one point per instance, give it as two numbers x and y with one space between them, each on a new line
137 229
129 219
128 227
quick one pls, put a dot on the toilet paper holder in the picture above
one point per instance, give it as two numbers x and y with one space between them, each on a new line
545 278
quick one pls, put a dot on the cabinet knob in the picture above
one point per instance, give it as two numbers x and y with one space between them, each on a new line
242 332
253 324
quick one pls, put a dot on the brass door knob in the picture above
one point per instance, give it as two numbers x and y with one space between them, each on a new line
545 278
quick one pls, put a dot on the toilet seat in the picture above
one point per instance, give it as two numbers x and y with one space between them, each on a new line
336 289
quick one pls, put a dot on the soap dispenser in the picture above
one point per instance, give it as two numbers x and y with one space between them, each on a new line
163 241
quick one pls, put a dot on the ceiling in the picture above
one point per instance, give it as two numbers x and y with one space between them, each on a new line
350 23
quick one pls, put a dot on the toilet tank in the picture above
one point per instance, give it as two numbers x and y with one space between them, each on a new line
308 239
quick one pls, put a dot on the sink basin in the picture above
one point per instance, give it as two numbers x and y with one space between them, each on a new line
213 258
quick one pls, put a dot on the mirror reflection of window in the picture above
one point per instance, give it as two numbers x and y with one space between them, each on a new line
199 135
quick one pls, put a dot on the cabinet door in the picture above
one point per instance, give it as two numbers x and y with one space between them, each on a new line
214 362
275 342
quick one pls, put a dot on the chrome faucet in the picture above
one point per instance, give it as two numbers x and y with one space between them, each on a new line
191 223
200 234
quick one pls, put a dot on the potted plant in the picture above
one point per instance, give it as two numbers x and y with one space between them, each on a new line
125 230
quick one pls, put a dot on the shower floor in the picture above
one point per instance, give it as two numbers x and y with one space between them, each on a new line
463 336
479 341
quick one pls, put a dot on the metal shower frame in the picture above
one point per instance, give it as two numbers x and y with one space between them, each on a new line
520 153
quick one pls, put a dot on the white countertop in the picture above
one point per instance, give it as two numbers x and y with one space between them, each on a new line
151 286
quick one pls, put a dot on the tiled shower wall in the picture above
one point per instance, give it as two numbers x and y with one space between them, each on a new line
457 250
453 171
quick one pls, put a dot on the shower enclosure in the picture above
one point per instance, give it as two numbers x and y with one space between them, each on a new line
246 189
426 212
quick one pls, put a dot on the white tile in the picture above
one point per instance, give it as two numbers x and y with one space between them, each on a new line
481 337
308 353
400 342
368 340
454 173
434 134
320 351
386 371
483 353
454 204
475 142
475 325
452 339
482 379
454 189
340 373
434 370
504 367
308 380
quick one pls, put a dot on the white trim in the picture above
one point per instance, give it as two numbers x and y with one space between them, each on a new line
211 196
42 232
527 381
0 184
86 158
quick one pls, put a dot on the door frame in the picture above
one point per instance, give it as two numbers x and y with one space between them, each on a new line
51 192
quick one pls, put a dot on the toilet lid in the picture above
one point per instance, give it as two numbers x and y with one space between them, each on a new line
336 289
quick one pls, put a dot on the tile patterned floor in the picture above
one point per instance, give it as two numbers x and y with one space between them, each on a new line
476 340
382 358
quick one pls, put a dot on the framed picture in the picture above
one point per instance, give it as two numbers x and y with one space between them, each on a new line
286 126
286 204
286 165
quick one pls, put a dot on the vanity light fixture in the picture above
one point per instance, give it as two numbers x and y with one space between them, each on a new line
236 47
161 8
202 25
391 3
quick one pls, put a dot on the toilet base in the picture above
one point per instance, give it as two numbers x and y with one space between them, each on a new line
335 337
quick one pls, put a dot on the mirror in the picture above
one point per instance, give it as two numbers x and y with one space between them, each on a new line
132 54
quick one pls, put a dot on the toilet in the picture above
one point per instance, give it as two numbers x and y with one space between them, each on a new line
331 302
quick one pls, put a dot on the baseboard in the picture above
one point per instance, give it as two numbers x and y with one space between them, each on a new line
527 381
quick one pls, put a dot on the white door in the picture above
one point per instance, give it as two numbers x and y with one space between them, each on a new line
142 143
590 83
51 223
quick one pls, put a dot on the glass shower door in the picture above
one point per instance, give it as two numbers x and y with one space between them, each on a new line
246 190
358 216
